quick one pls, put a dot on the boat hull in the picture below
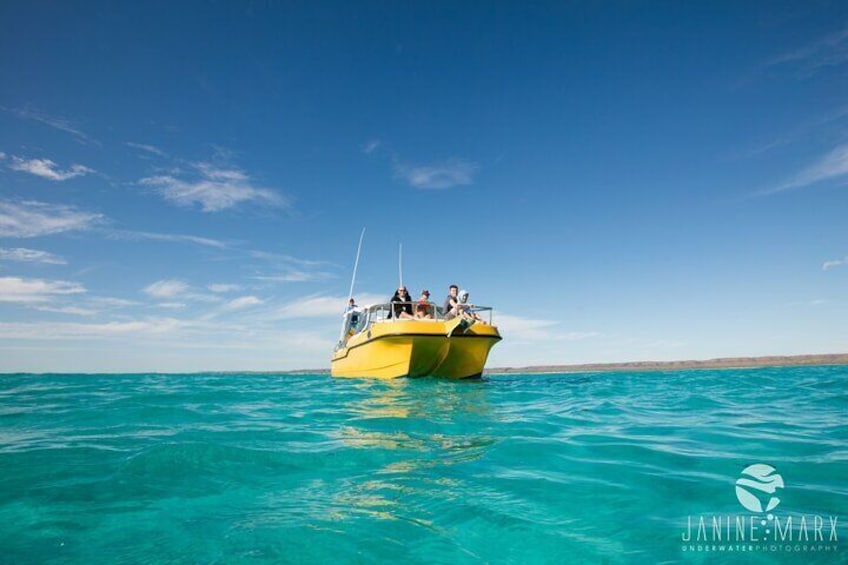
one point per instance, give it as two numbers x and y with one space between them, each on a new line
416 348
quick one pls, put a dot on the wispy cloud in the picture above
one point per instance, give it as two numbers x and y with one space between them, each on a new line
33 219
174 291
28 291
833 263
535 330
213 188
71 330
454 172
61 124
371 146
112 302
48 169
72 310
172 305
296 276
167 237
147 148
831 166
166 289
221 287
828 51
286 269
241 303
322 306
830 121
30 256
285 259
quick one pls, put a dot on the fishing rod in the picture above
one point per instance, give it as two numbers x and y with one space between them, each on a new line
355 265
400 265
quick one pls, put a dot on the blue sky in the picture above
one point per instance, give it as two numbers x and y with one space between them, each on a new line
182 185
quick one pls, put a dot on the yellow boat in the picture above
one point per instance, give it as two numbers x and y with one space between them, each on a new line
375 345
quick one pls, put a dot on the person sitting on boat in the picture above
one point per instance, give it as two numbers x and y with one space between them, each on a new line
403 308
465 309
451 302
422 307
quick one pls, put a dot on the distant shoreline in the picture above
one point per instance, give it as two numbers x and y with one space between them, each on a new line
718 363
631 366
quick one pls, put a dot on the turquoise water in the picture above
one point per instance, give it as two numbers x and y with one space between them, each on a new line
246 468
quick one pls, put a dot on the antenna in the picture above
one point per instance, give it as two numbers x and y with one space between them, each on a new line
400 264
355 265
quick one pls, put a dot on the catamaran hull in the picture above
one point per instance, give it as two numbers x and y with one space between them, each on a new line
417 349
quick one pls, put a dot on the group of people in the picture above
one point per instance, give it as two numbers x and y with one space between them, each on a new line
402 304
455 305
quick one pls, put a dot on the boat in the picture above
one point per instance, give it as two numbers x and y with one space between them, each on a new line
376 344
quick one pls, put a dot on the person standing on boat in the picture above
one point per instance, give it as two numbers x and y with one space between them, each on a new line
403 308
451 303
352 312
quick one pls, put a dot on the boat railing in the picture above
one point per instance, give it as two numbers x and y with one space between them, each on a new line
358 320
389 311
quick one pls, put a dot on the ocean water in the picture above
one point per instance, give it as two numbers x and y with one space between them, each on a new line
552 468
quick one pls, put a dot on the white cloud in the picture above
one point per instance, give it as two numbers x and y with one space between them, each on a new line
529 329
28 291
285 259
524 327
827 265
832 165
172 305
371 146
40 330
47 169
318 306
291 269
148 148
33 219
175 238
214 189
73 310
166 288
110 302
220 287
174 291
242 302
829 51
454 172
297 276
30 256
61 124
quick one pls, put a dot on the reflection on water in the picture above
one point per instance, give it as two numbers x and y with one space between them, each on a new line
416 398
417 430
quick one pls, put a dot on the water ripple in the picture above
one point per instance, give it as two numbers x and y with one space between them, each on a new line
518 468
